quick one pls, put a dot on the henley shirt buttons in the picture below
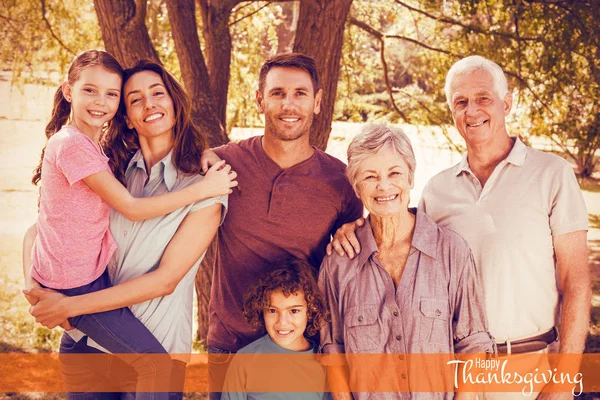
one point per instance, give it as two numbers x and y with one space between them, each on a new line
438 313
278 204
401 357
403 375
396 313
398 337
360 319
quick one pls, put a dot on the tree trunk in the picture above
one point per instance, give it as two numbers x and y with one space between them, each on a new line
195 75
203 284
193 69
124 32
215 28
287 30
320 34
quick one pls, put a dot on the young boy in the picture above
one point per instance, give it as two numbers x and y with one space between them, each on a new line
286 303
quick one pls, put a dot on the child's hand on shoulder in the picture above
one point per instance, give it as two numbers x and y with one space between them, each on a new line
218 181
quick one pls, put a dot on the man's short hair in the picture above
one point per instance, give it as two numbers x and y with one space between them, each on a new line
290 60
476 63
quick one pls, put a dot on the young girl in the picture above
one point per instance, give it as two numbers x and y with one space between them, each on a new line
73 244
286 303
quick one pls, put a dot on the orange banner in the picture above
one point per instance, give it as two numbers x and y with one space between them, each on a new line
526 373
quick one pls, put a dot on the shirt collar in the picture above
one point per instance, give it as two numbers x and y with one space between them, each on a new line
516 157
305 167
167 169
517 153
425 237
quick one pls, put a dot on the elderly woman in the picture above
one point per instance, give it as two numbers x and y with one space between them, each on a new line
413 287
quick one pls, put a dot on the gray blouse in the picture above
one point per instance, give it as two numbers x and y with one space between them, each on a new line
436 308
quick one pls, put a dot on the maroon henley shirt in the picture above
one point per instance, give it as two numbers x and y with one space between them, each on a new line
275 214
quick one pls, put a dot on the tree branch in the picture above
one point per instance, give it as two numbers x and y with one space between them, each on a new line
380 36
43 4
562 146
470 27
8 19
555 2
388 85
240 8
437 49
252 13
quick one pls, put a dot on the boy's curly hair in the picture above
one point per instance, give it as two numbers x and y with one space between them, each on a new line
294 276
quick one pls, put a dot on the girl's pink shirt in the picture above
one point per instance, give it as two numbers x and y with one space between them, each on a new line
73 244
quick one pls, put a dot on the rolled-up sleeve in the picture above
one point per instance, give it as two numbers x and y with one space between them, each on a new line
469 325
332 333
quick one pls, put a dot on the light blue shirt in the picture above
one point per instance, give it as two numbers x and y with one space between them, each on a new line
141 245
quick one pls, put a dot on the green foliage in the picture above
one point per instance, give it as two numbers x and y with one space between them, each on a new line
33 51
255 39
159 29
549 52
413 76
548 49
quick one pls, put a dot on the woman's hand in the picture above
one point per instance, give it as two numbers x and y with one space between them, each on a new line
31 283
51 308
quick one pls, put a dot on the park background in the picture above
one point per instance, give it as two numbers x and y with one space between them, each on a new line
380 60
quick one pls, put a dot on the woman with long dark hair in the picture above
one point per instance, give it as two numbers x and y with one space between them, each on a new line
154 267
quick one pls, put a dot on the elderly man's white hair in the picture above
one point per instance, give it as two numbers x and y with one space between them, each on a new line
476 63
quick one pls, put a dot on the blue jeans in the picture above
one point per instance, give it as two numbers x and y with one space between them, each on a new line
218 362
120 332
102 372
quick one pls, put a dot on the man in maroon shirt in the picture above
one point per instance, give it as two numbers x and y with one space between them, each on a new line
292 197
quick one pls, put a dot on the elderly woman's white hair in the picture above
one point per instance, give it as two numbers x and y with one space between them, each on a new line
476 63
373 138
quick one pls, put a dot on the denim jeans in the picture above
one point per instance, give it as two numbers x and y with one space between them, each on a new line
218 362
102 372
120 332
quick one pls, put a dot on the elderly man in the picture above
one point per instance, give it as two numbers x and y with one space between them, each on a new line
523 215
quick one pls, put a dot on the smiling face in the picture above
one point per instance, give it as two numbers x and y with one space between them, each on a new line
149 106
478 111
286 318
382 183
288 102
94 98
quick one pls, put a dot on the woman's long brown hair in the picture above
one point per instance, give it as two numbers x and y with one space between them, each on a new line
62 108
189 141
